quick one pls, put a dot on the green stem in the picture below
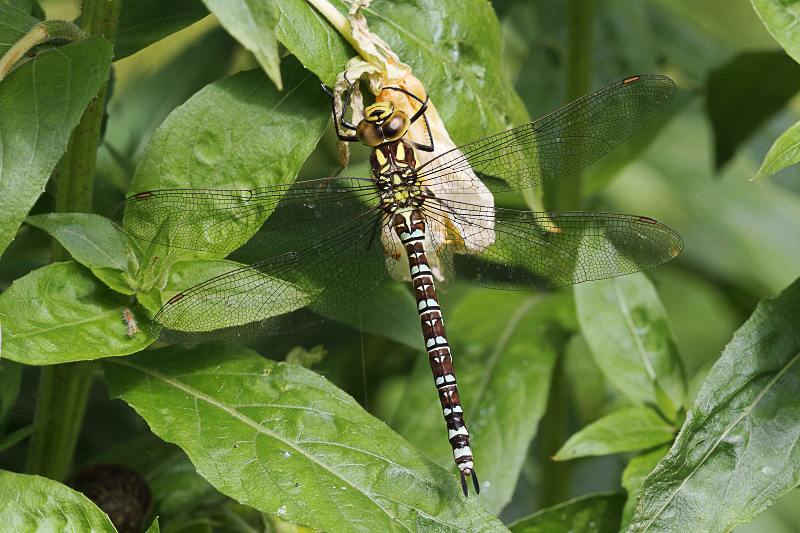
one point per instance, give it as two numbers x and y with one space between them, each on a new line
566 193
64 389
556 475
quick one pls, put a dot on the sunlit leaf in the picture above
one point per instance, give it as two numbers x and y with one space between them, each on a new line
738 450
92 241
783 153
780 18
61 313
285 441
30 504
40 104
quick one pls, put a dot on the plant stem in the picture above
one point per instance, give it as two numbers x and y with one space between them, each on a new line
566 194
556 475
64 389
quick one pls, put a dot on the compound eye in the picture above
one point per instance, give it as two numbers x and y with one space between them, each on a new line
369 134
396 126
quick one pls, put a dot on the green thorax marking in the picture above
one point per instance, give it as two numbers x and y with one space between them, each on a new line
394 169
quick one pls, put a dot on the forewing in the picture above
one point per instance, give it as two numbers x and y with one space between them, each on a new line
222 221
320 280
509 249
556 145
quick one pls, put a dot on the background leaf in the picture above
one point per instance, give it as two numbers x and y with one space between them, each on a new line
33 503
744 93
596 513
626 328
145 22
504 378
783 153
745 407
41 102
252 23
283 440
626 430
62 313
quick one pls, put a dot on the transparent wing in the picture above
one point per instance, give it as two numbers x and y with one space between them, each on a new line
509 249
221 221
320 280
553 146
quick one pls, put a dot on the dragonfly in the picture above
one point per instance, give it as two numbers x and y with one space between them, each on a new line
329 244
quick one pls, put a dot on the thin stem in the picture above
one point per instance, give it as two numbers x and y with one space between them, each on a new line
556 475
64 389
566 194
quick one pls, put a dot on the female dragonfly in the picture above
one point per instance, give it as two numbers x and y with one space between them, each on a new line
329 244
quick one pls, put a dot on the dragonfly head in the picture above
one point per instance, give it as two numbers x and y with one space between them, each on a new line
382 123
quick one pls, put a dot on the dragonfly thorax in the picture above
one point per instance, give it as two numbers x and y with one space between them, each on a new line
394 169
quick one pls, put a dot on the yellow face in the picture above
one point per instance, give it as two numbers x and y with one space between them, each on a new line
378 112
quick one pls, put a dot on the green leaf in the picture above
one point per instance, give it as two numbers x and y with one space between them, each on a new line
392 312
61 313
237 133
41 102
504 378
626 430
285 441
783 153
145 22
154 528
627 330
455 49
253 23
93 242
738 450
634 476
596 513
744 93
33 503
780 18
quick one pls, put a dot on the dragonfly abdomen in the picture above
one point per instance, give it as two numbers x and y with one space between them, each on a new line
409 224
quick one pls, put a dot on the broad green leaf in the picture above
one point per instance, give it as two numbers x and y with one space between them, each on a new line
237 133
62 313
596 513
780 18
783 153
633 477
392 312
41 102
738 450
33 504
253 23
504 346
144 22
455 49
154 528
626 328
744 93
626 430
588 387
92 241
285 441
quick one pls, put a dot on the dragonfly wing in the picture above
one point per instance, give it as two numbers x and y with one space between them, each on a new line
509 249
223 220
553 146
320 280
